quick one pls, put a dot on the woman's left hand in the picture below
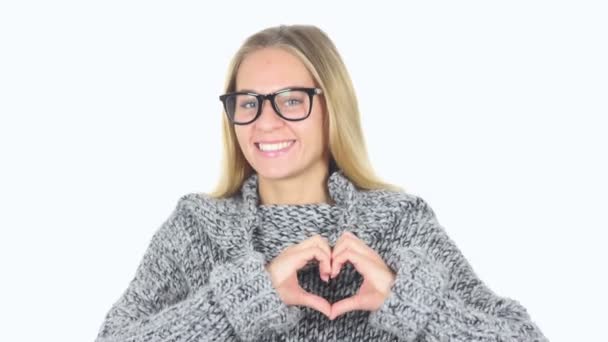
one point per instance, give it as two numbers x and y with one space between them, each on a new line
378 278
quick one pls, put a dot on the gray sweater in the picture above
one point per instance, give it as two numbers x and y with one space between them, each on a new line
202 277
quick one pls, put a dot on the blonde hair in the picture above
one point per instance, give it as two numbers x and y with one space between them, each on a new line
346 142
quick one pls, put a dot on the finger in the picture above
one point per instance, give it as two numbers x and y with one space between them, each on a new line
312 241
314 302
346 239
351 241
345 305
301 257
323 243
361 262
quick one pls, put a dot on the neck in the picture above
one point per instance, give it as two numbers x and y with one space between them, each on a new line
308 187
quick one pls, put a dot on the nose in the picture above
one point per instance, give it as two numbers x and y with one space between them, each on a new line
268 117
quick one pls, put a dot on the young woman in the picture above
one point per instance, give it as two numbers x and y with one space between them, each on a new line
301 241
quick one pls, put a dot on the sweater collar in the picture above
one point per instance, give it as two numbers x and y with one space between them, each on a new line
341 189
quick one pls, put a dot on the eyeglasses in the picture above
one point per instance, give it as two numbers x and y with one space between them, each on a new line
293 104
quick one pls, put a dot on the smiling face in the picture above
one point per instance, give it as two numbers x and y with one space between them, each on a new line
266 71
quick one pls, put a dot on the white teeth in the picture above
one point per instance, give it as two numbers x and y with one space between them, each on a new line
274 147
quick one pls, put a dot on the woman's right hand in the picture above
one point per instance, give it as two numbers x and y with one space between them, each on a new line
283 272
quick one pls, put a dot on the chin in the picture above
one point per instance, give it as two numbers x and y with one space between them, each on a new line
275 174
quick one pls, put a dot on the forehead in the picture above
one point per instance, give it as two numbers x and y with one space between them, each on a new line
270 69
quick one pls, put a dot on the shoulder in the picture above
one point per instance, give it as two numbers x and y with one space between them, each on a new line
389 218
395 212
216 222
397 202
202 203
209 212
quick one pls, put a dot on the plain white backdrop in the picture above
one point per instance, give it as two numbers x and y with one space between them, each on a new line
495 113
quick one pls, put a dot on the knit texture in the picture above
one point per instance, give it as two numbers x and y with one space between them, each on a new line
202 277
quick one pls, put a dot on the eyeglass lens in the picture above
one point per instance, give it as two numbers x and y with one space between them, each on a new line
293 104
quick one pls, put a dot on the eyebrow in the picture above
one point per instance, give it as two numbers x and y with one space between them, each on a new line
253 91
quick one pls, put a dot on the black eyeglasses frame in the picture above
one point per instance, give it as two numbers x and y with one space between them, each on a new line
262 97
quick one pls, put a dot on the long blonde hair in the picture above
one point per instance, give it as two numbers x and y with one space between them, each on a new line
346 142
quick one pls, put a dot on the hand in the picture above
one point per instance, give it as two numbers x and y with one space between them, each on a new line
283 272
378 277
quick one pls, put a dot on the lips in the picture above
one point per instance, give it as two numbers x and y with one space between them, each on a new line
257 143
272 141
284 147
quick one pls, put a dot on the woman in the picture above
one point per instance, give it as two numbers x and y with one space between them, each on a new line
300 241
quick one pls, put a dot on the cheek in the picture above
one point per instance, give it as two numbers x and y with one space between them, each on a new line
313 133
242 137
319 125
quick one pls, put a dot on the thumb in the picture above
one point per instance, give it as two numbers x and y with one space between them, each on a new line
313 301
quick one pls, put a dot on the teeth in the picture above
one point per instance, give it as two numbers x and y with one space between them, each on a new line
274 147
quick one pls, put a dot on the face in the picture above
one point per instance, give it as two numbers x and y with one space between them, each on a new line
266 71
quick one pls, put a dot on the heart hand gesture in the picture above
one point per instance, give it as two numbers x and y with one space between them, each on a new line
378 277
283 272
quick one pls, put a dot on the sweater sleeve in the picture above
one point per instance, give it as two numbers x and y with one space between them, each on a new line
437 296
237 302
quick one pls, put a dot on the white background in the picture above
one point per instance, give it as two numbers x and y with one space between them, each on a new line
492 112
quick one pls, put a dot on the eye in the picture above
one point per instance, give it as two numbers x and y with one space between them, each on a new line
292 102
248 104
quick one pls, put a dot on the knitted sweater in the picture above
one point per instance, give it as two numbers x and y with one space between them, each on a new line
202 277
